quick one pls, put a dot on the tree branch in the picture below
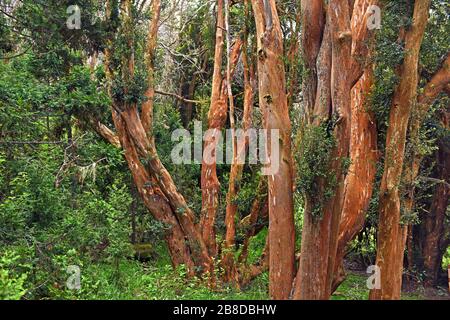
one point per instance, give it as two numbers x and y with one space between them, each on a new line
178 97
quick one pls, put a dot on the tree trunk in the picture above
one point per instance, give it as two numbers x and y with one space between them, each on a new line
431 91
147 106
434 244
154 183
237 167
360 179
273 102
335 50
391 233
155 201
216 120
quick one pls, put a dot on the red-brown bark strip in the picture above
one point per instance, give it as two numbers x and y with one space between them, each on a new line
216 119
363 141
273 102
237 167
333 68
360 179
391 234
147 106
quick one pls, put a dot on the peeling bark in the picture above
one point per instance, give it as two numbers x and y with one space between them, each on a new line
216 119
152 177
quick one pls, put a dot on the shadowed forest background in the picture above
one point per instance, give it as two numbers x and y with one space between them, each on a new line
92 90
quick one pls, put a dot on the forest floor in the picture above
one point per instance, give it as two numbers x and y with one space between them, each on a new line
156 280
142 281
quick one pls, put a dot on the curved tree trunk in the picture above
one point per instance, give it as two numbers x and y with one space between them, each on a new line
335 49
155 201
138 145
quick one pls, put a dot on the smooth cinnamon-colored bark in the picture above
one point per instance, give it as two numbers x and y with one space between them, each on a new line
360 179
147 106
132 133
363 141
155 201
391 233
273 102
237 167
335 44
216 119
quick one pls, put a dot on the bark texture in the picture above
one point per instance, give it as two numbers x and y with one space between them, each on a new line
216 120
335 44
154 183
360 179
392 234
273 102
237 168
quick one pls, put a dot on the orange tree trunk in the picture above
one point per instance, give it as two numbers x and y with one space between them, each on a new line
361 173
147 106
155 201
391 233
432 89
216 120
335 38
239 152
363 145
273 102
152 179
335 47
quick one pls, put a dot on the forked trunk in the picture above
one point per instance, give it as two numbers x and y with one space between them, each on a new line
361 174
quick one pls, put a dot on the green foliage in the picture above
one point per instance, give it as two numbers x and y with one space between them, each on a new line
72 202
11 279
353 288
364 247
446 259
313 167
